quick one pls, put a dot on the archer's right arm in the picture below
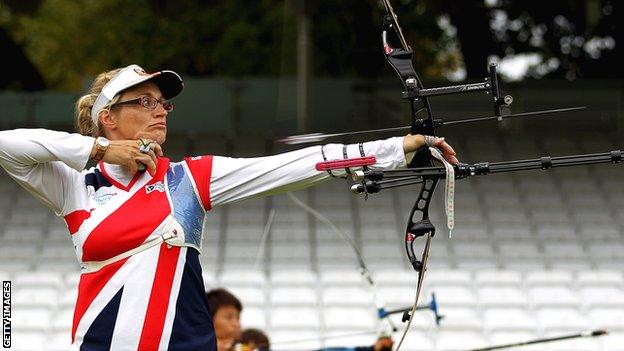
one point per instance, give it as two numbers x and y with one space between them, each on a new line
46 163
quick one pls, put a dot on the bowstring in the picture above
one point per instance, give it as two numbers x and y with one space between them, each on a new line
364 271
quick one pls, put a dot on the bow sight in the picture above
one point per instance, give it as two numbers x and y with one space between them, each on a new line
401 60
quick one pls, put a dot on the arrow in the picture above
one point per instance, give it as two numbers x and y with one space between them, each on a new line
318 137
587 333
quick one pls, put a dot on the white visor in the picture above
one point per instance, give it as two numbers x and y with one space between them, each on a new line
169 83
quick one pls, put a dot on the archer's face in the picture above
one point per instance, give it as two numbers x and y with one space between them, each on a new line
134 121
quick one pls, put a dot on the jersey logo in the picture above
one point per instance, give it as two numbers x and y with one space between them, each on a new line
158 186
102 199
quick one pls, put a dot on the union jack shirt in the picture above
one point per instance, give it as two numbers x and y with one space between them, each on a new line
153 299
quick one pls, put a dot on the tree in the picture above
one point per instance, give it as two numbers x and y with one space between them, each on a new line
21 73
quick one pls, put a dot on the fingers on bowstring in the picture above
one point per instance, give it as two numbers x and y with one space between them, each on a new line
158 149
149 161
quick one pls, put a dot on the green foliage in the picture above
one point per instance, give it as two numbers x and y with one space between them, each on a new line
347 37
70 41
67 39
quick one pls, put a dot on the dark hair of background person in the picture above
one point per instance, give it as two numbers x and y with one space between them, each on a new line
257 336
220 297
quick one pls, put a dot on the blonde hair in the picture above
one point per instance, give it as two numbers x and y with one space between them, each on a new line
84 123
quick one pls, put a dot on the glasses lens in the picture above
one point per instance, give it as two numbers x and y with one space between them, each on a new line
168 105
148 102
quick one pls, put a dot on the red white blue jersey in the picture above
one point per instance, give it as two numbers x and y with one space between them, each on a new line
153 299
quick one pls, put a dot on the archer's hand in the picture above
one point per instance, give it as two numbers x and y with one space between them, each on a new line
412 143
127 153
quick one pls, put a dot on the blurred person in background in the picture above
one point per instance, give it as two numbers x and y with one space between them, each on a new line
136 218
254 339
225 309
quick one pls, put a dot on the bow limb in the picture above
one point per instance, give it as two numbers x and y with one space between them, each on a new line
422 122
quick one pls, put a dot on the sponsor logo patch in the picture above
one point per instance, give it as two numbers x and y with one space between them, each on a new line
158 186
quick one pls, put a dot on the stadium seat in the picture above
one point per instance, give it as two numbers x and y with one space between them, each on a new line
561 320
449 277
39 279
295 317
599 231
242 277
585 344
461 319
58 341
253 317
613 341
552 277
293 296
28 318
508 319
251 295
35 297
349 317
507 337
395 277
35 215
555 296
345 276
285 276
289 253
502 297
307 339
341 338
25 340
417 340
289 233
602 296
452 296
498 278
62 320
513 233
383 254
607 249
473 249
595 278
23 234
564 250
346 296
459 340
609 318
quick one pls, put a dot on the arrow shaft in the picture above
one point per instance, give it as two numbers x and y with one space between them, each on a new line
513 115
543 340
318 137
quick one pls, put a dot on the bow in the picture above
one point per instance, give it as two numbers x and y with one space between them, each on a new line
418 225
399 56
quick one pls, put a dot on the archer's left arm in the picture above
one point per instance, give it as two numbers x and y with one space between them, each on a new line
236 179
